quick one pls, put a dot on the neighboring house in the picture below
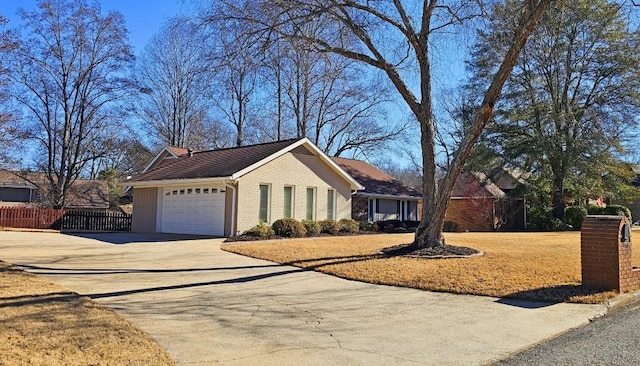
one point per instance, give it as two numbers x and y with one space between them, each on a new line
87 194
633 205
227 191
383 197
15 191
31 189
479 203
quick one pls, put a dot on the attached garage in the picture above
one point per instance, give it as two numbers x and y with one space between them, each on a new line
193 210
218 192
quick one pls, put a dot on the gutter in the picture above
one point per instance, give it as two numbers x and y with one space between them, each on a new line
173 182
390 196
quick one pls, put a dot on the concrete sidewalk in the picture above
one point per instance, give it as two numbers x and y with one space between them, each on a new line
206 306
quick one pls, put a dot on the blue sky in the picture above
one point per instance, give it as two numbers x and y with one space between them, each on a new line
143 17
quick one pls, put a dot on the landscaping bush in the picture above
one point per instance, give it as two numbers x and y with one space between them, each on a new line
574 216
261 230
542 220
398 230
557 225
329 227
615 210
313 228
450 227
410 223
367 226
289 228
389 225
618 210
348 226
595 210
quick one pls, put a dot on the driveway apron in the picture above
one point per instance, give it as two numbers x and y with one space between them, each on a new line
206 306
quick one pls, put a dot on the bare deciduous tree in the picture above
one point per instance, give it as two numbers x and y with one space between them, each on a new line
7 131
126 156
238 65
394 38
175 74
67 74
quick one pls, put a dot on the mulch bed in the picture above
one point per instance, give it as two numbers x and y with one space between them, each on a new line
244 237
445 251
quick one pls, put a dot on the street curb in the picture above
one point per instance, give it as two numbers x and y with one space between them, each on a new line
26 230
621 301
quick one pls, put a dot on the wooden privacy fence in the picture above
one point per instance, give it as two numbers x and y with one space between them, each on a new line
29 218
47 218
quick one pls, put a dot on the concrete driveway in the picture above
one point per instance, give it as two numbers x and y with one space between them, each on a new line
206 306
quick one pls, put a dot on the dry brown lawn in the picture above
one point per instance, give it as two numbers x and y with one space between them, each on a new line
42 323
533 266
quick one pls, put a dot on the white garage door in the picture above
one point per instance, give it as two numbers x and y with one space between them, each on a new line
193 210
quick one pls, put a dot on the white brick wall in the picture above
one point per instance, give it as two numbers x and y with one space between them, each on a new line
300 171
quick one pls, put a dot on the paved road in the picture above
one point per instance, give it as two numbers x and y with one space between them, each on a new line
610 340
206 306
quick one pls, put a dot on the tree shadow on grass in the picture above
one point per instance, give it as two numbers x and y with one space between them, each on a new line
328 261
547 296
39 299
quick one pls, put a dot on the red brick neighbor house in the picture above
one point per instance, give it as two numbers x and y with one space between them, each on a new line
479 203
225 192
383 197
29 189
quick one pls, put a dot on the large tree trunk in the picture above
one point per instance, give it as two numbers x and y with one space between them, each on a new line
436 196
558 198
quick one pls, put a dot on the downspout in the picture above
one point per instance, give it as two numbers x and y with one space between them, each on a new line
232 229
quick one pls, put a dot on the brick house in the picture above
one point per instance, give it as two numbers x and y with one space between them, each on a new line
480 203
228 191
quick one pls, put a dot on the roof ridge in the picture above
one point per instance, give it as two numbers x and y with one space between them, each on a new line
245 146
354 159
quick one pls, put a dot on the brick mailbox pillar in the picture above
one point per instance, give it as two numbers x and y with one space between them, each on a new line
605 246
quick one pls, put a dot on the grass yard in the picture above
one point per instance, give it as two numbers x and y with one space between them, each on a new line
45 324
532 266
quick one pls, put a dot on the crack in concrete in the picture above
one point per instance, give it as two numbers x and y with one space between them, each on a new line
318 322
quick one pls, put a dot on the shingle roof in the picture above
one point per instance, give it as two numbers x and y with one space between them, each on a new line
475 185
507 178
9 178
213 163
178 150
374 180
167 154
84 193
